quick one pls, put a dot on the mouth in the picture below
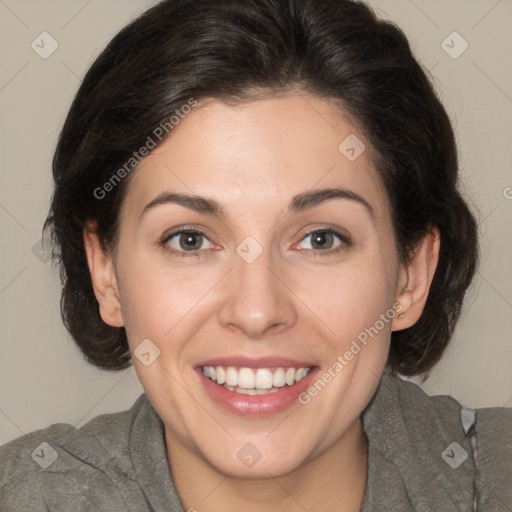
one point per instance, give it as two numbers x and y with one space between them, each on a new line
255 381
255 389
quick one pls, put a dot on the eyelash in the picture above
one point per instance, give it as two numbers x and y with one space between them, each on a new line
344 239
181 254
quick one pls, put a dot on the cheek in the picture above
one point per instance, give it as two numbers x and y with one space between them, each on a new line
349 298
159 301
167 302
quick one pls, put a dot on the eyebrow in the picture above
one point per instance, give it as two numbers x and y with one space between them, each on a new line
300 202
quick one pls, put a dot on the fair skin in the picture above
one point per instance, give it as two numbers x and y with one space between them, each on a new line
302 298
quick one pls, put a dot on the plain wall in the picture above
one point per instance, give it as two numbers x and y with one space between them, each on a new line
43 377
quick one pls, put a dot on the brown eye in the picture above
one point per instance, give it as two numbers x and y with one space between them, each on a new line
186 241
324 240
191 241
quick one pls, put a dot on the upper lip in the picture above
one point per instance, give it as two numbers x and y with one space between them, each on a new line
257 362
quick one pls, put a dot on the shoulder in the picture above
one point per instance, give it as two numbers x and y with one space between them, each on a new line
493 454
492 423
403 406
417 406
461 453
61 456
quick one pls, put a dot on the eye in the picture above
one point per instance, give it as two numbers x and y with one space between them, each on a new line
186 240
325 240
191 241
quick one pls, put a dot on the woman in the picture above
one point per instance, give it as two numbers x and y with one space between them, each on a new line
256 204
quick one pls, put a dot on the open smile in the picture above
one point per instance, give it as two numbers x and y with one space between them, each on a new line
257 388
251 381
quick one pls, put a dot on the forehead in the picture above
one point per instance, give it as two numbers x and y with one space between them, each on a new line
261 152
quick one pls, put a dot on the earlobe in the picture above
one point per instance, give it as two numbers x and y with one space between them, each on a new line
104 282
415 280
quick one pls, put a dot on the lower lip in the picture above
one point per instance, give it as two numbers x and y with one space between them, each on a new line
255 405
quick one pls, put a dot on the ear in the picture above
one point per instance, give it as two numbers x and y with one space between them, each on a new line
415 280
104 282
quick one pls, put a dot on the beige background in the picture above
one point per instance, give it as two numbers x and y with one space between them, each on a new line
43 378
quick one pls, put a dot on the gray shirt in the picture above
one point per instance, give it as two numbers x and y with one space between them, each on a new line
425 454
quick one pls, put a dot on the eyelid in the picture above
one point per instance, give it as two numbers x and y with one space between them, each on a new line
164 240
344 238
342 235
184 229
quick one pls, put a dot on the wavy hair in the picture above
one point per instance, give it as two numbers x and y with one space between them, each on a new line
230 49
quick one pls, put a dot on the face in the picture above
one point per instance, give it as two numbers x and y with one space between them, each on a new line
266 282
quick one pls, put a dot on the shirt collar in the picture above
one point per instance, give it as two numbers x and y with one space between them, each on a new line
407 433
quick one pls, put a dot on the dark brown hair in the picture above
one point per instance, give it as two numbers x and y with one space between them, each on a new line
228 49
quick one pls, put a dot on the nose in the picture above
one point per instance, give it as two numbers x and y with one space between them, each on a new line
256 299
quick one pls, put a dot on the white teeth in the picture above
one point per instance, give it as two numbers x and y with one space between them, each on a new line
263 379
246 378
278 379
301 373
250 381
251 391
243 391
231 377
221 375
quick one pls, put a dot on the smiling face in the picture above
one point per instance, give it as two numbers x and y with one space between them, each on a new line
285 260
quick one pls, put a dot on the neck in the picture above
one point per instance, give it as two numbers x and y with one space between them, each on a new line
333 480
